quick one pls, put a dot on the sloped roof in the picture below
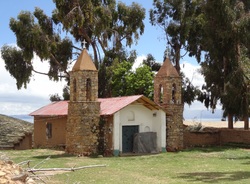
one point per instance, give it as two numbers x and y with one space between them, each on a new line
112 105
108 106
84 62
59 108
167 69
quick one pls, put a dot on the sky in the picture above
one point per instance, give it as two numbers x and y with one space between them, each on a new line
25 101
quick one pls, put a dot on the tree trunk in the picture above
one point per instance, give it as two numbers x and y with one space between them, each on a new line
246 122
177 58
230 121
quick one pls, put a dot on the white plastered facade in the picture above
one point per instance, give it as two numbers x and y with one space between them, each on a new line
147 120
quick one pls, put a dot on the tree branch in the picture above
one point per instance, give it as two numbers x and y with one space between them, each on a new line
42 73
55 60
64 169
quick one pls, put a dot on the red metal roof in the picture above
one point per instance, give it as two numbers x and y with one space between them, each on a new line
112 105
59 108
109 106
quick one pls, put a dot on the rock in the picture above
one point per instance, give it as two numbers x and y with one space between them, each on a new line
12 174
2 173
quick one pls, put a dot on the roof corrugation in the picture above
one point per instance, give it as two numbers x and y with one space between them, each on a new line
112 105
109 106
59 108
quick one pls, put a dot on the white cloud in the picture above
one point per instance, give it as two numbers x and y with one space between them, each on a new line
197 110
191 71
138 61
24 101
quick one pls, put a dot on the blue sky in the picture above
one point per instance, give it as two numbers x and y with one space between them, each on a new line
13 101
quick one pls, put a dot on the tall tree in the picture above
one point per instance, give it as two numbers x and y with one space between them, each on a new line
105 25
223 38
174 17
151 62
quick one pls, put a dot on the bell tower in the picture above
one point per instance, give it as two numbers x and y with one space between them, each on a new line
167 94
83 108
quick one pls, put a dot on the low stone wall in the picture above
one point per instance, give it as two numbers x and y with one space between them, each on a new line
235 136
216 137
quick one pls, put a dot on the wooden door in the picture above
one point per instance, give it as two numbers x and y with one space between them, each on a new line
128 138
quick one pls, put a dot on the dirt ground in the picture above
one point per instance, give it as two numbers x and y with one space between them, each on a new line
216 124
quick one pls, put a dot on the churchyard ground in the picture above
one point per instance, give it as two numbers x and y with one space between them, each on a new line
198 165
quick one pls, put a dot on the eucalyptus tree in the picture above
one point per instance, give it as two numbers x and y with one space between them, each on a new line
105 25
174 17
224 39
151 62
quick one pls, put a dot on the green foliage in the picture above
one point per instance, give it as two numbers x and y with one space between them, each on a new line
120 74
127 82
17 66
218 30
175 18
34 33
106 70
55 97
141 82
66 93
150 61
189 91
101 23
106 26
225 49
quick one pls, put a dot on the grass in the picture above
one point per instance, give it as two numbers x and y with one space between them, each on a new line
204 165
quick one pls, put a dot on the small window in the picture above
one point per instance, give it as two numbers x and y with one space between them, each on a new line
74 90
88 89
49 130
160 94
173 93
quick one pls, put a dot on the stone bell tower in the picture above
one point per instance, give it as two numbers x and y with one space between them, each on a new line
83 108
167 94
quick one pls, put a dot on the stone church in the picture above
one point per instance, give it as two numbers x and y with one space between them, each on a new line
113 126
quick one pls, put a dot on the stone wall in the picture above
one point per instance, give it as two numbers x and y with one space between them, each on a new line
172 104
174 128
216 137
78 86
83 128
106 136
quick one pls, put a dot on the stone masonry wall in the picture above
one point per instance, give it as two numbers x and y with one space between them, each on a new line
83 128
173 106
174 126
79 92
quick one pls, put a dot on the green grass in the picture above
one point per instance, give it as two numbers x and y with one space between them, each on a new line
204 165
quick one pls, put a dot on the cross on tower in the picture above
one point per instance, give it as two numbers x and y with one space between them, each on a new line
167 53
84 44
